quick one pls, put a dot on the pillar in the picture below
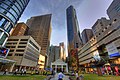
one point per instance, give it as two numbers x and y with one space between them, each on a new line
62 67
67 68
56 68
11 68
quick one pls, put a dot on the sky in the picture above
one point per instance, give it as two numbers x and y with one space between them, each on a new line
88 11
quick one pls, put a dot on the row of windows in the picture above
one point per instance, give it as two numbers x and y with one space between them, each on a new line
33 44
103 30
5 24
29 58
12 50
17 54
31 54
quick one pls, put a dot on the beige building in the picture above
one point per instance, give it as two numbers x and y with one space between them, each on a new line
98 47
40 30
24 50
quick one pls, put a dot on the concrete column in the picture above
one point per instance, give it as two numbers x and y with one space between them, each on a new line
67 68
56 68
20 68
11 68
62 67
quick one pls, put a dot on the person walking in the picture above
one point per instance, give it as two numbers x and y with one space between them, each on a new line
6 70
15 73
77 78
61 76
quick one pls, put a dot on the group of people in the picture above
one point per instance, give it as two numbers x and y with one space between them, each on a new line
61 75
22 72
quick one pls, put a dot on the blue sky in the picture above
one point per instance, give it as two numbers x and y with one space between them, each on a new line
88 11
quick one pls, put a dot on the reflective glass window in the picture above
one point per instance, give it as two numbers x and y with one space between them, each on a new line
14 13
9 28
10 16
2 21
14 7
18 6
1 10
4 5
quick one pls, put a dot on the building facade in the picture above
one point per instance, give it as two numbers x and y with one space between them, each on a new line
87 34
40 30
114 9
55 53
24 50
73 33
103 47
10 12
20 29
73 36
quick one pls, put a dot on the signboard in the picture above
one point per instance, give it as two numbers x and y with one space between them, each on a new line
112 50
4 52
96 56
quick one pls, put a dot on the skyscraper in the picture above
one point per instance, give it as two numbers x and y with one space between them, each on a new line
73 33
10 12
40 30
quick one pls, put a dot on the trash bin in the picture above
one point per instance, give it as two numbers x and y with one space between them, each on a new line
81 77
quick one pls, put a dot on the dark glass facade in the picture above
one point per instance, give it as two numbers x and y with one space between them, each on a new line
10 12
73 32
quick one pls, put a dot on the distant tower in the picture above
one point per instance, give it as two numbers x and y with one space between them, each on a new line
20 29
40 30
73 33
87 34
10 12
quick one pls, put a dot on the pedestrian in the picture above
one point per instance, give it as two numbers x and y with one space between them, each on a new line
6 70
61 76
53 73
22 71
15 71
77 78
25 71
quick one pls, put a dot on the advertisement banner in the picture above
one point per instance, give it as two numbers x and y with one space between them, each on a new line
112 50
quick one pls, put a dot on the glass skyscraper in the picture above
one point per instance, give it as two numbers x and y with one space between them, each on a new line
10 12
73 33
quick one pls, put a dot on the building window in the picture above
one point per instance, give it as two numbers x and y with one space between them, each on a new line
23 43
19 50
21 46
9 54
24 40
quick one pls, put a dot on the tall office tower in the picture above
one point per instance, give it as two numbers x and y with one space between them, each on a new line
20 29
10 12
114 9
87 34
73 33
40 30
